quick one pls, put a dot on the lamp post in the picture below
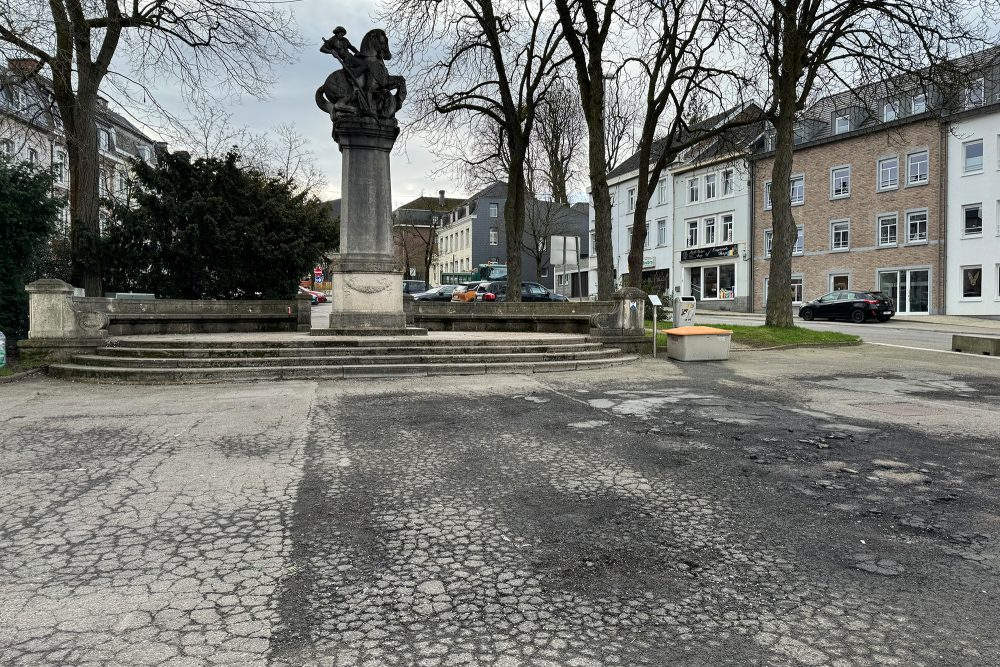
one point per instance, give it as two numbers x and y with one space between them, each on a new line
432 241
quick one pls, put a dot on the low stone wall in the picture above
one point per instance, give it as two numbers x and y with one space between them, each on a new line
62 324
558 317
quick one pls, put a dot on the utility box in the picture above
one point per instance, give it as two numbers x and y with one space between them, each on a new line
698 343
684 307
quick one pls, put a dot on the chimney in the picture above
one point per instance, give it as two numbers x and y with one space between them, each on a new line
441 198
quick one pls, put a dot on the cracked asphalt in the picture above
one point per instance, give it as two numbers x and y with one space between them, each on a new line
802 507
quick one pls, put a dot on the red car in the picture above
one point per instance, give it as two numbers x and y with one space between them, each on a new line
318 297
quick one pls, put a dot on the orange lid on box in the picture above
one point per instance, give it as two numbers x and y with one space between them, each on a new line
694 331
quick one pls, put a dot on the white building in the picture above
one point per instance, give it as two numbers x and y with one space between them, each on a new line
712 232
972 286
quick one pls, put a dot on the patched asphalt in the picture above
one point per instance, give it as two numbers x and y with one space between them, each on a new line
799 508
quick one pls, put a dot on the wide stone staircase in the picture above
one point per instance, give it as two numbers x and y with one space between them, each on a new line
173 359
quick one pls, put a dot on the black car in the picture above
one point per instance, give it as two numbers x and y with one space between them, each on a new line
849 305
497 291
415 286
439 293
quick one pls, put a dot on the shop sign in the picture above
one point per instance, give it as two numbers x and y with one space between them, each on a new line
731 250
648 262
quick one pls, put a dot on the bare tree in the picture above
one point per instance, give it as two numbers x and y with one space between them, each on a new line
543 220
561 133
232 41
807 45
486 62
691 95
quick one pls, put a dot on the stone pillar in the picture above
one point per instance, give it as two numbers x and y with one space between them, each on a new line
57 329
367 280
624 327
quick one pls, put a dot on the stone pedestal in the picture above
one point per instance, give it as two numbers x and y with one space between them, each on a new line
367 279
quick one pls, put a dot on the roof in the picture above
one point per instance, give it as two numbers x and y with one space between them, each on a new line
497 190
428 203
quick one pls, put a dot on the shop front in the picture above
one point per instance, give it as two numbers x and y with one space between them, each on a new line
714 276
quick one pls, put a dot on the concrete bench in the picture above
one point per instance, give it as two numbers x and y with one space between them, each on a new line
477 321
988 345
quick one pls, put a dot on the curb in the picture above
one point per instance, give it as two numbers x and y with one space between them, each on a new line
796 346
23 374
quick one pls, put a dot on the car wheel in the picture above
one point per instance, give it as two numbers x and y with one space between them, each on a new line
858 316
807 314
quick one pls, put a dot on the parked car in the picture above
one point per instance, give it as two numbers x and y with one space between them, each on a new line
439 293
851 305
415 286
317 297
497 291
469 291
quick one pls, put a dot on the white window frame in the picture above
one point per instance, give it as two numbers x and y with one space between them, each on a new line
60 166
661 197
718 280
797 279
802 199
727 227
711 186
709 223
122 181
890 106
631 200
32 156
767 195
918 100
662 233
881 185
694 190
962 270
102 182
909 168
837 275
691 226
7 148
104 139
965 231
494 210
878 231
647 242
628 236
974 94
727 182
910 239
840 235
844 193
837 126
768 241
965 157
799 248
494 236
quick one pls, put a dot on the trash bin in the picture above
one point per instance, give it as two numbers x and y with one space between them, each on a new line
684 307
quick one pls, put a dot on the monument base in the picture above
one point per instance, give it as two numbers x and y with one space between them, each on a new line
367 303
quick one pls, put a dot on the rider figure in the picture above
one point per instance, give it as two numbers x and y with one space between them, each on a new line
338 45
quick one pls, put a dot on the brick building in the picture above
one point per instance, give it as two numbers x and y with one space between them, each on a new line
866 197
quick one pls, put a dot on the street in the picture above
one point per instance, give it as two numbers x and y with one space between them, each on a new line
804 507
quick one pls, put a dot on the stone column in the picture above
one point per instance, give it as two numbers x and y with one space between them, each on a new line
61 325
367 278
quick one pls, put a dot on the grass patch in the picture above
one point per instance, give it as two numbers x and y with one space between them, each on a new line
16 366
760 337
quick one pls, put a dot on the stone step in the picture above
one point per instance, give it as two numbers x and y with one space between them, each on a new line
487 356
360 341
208 375
277 352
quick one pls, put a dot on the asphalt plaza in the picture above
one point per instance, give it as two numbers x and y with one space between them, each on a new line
805 507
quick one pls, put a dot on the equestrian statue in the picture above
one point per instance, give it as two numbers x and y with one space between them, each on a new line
364 87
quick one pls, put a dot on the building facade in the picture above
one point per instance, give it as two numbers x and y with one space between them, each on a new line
866 197
712 233
415 226
973 213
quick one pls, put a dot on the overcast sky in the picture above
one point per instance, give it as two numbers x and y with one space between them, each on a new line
292 101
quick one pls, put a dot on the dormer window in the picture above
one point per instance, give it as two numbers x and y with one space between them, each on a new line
104 139
974 94
919 103
841 124
890 111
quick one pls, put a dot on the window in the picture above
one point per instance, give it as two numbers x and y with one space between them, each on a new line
767 195
840 182
32 156
661 189
693 190
841 124
800 243
144 153
888 173
768 240
890 111
629 245
494 211
972 153
18 99
692 237
646 241
631 199
593 243
727 182
104 140
7 148
974 94
917 168
972 282
918 103
661 232
798 189
122 182
972 216
709 231
102 182
727 228
717 282
916 226
840 235
59 168
796 289
840 281
710 183
545 272
887 230
494 236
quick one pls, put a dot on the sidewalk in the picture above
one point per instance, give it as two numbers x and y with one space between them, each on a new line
941 320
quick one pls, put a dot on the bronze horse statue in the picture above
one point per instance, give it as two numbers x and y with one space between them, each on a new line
364 86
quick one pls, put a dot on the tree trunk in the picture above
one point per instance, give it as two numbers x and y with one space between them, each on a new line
593 111
784 231
638 245
84 196
513 218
